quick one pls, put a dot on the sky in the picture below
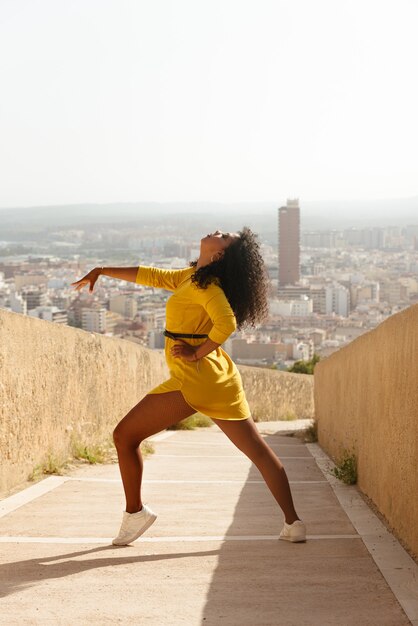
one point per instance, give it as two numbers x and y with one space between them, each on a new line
222 101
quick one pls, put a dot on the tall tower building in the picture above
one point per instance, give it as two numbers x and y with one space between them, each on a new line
289 246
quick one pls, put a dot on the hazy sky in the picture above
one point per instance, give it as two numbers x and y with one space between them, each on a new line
223 100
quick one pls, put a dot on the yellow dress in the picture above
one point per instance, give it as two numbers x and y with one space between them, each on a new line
212 385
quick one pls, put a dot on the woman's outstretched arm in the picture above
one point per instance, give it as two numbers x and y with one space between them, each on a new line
123 273
142 274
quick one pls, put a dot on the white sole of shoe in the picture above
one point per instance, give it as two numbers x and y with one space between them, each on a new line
293 539
138 534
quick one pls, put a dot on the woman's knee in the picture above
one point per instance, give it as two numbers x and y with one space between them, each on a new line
122 436
255 449
118 437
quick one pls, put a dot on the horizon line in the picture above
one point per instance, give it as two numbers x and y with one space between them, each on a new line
188 202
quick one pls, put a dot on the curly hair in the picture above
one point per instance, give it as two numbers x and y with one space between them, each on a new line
243 277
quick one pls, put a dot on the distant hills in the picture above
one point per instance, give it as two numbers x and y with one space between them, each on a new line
315 215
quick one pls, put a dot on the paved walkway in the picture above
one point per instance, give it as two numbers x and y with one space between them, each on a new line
212 557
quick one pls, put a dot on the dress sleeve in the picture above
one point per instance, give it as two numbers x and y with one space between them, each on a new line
222 316
160 277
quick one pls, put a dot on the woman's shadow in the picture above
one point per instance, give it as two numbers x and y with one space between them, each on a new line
19 575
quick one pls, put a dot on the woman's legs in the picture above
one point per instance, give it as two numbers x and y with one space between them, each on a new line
244 434
155 412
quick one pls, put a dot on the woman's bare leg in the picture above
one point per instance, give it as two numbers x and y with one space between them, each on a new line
155 412
244 434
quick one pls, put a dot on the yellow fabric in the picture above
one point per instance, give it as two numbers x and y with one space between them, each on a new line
212 385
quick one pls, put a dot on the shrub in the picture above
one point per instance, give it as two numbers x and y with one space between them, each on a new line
311 432
346 468
304 367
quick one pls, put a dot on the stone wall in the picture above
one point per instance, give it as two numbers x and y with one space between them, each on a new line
276 395
59 384
366 400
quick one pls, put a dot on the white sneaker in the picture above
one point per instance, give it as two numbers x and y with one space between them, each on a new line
294 532
133 525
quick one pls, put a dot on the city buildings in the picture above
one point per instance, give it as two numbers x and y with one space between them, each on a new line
328 286
289 248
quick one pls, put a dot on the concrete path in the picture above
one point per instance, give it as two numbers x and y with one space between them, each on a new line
213 555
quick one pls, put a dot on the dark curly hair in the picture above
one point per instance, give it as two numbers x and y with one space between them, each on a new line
243 277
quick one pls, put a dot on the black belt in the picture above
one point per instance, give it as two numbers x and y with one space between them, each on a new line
167 333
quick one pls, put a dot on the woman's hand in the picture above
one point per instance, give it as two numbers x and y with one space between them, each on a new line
184 350
91 278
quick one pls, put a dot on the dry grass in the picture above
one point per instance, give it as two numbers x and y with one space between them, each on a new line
82 453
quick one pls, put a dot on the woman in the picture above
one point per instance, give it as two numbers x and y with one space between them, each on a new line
223 290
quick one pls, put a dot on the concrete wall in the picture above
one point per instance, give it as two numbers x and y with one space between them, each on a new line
59 383
275 395
366 399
